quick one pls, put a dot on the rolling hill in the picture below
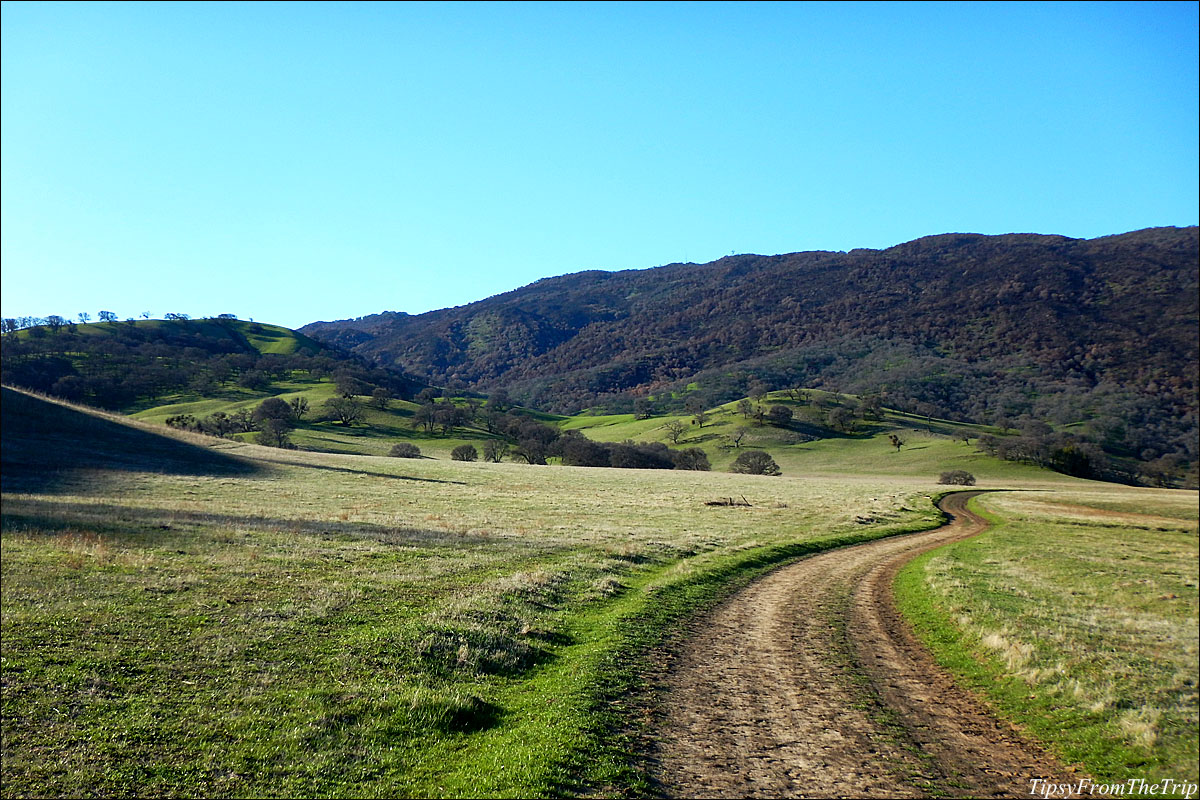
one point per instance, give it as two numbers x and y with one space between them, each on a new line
1099 333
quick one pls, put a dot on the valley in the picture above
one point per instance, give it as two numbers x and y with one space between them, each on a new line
209 616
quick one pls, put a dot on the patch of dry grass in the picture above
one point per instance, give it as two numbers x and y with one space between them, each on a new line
1093 607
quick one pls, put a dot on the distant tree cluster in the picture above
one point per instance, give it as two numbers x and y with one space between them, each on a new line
132 362
1039 445
577 450
273 420
961 327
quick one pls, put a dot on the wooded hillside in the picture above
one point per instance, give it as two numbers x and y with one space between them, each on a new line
1099 331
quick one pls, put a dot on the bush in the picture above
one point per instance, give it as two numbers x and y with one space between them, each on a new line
692 458
755 462
405 450
957 477
464 452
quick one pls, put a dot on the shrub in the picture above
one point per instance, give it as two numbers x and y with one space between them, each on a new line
957 477
464 452
691 458
755 462
405 450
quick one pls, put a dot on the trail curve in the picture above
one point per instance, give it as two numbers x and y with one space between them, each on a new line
808 683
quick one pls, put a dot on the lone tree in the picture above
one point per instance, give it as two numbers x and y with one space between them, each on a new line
299 407
957 477
780 416
344 410
273 408
380 398
695 407
896 441
464 452
755 462
675 430
405 450
275 433
495 450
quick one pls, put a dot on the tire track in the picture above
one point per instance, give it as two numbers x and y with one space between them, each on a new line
809 684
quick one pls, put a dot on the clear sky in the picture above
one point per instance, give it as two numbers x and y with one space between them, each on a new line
293 162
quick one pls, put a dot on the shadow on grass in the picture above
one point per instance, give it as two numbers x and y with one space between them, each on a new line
50 518
381 474
43 442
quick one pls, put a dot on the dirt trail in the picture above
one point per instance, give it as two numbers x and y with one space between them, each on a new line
809 684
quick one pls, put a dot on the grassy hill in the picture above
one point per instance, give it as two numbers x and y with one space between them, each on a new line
141 364
247 335
190 615
1100 332
804 446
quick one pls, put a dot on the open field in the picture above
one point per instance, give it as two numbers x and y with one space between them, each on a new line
1076 615
323 624
190 616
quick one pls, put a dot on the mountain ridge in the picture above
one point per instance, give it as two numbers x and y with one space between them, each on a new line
969 326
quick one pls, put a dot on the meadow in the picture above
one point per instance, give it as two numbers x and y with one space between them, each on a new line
1076 615
214 617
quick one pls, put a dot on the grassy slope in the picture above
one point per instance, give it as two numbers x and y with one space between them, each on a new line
324 624
262 337
930 448
1076 616
348 625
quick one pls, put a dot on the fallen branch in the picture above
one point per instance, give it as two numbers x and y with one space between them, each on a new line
728 501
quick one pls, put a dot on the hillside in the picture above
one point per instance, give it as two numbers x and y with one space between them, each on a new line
971 327
138 364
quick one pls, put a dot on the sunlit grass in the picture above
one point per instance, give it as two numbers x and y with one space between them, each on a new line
349 625
1077 615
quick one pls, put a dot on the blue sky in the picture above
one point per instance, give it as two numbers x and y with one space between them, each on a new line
295 162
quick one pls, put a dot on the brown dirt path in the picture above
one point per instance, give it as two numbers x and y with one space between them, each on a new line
809 684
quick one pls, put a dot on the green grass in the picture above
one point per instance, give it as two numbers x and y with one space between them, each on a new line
930 447
262 337
316 624
190 616
1076 616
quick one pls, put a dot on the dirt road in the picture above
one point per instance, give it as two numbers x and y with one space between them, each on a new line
808 684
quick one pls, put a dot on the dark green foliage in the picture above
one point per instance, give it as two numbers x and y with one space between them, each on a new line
640 455
1061 452
576 450
405 450
755 462
960 326
274 433
272 408
692 458
117 365
344 410
780 416
957 477
464 452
